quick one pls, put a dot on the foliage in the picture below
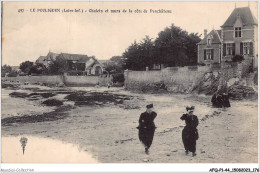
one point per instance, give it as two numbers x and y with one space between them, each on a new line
5 69
58 66
115 65
26 66
38 69
237 58
173 47
12 74
118 77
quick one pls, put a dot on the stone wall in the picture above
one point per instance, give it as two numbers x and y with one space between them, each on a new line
56 79
174 79
60 79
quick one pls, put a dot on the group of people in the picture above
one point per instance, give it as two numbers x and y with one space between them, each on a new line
189 134
220 100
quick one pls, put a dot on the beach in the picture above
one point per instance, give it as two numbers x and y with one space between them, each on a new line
106 130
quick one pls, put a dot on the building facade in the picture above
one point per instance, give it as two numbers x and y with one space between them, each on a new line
209 48
77 63
238 36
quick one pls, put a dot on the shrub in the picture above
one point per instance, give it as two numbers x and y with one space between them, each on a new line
118 77
237 58
12 74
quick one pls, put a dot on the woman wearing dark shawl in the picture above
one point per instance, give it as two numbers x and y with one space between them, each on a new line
147 127
190 132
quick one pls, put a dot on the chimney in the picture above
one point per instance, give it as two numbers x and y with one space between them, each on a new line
205 33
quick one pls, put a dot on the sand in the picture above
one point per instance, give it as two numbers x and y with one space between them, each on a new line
108 132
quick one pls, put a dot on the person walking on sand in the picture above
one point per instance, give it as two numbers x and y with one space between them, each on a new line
190 132
147 127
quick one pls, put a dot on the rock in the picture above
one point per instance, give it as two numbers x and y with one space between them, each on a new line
239 92
168 155
174 150
202 152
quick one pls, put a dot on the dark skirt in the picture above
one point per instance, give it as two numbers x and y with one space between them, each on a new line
146 136
189 137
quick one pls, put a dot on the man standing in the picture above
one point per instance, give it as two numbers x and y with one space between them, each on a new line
147 127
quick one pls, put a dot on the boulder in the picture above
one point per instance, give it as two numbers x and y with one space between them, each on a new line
239 92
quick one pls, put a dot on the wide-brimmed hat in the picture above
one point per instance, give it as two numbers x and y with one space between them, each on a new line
190 108
149 106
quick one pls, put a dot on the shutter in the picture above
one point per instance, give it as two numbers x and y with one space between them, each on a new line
233 49
224 49
251 48
204 54
241 48
212 54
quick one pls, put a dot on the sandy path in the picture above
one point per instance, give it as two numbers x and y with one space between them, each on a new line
109 131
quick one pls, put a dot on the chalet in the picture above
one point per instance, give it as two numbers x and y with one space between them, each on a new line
46 60
238 36
77 64
42 60
209 48
82 63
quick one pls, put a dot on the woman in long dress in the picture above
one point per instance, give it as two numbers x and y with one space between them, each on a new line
147 127
190 132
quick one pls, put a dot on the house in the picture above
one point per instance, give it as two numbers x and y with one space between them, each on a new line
46 60
42 60
77 64
238 36
82 63
209 48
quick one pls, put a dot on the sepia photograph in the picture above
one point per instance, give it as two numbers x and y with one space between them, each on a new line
129 82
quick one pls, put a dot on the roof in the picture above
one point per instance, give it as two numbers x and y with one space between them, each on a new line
76 57
245 15
51 56
215 37
41 58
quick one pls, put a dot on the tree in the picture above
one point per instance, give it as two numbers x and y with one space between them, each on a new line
58 66
140 55
173 47
26 66
5 69
177 47
115 65
192 49
38 69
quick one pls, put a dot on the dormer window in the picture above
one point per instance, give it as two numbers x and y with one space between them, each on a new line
238 32
208 41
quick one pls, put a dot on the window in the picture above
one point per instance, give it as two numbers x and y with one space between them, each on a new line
209 54
229 48
246 48
238 32
208 41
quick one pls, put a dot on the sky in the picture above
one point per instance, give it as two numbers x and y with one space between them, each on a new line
28 35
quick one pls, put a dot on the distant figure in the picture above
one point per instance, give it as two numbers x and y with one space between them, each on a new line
216 100
190 132
225 100
147 127
220 100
